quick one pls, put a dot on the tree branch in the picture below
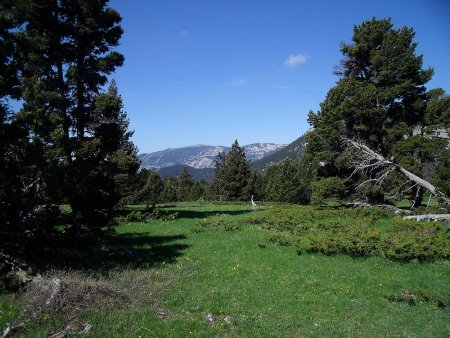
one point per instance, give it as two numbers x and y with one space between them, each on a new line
367 156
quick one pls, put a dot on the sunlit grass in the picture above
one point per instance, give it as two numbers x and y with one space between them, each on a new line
237 283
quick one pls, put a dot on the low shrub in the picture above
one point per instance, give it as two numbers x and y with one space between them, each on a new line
330 187
359 232
409 239
215 224
422 295
144 216
375 194
136 216
207 224
281 238
232 226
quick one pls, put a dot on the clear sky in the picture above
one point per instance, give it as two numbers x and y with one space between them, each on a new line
212 71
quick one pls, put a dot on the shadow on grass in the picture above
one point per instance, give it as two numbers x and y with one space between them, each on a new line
183 213
144 250
204 214
119 251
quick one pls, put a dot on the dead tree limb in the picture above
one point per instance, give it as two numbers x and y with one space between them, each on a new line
369 159
383 206
10 328
430 217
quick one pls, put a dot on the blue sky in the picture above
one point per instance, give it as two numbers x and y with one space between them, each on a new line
210 72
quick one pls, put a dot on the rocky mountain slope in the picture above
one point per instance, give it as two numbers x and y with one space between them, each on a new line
201 156
293 150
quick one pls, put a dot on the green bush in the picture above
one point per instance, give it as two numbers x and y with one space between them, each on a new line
358 232
215 224
144 216
374 194
281 238
422 295
136 216
207 225
326 188
409 239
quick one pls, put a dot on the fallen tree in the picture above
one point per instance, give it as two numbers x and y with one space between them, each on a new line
383 206
430 217
368 160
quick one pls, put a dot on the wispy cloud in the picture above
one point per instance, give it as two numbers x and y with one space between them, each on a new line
278 86
237 82
294 60
183 32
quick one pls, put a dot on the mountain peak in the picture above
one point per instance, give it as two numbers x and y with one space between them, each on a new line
201 156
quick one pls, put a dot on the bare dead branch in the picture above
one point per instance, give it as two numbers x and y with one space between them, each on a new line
383 206
366 158
9 329
430 217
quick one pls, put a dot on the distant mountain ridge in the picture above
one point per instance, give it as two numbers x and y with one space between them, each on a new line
201 156
293 150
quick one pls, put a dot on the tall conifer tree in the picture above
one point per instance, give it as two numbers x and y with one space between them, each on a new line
232 174
380 100
185 184
77 134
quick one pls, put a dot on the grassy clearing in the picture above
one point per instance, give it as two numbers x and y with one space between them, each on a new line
214 271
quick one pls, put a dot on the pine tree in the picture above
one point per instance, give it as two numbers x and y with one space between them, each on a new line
232 174
15 200
217 187
169 192
185 184
379 99
437 114
110 163
436 129
255 187
66 51
150 193
284 184
198 191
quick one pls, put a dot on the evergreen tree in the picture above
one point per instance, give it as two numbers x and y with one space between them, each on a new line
217 187
255 187
169 192
379 99
112 158
198 191
437 114
185 183
232 174
65 49
16 201
69 142
284 184
150 193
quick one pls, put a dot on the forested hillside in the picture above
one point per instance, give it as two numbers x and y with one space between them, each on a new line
293 151
206 174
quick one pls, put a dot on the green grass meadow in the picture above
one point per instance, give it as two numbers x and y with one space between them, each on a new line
213 271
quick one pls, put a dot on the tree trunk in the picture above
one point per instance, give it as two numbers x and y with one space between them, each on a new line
417 197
